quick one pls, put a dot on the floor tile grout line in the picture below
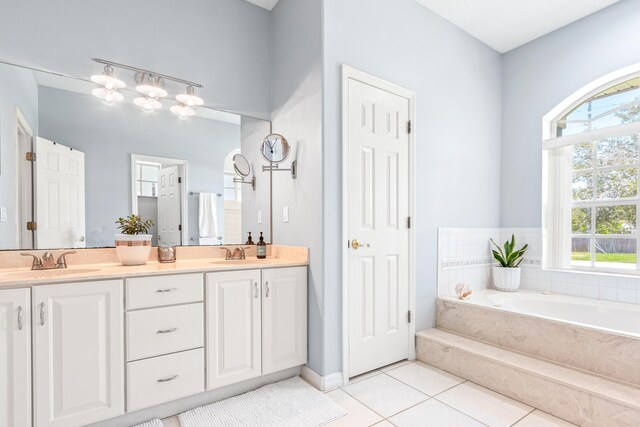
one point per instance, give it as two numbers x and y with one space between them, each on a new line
366 406
525 416
459 411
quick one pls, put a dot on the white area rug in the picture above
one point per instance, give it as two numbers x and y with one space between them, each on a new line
152 423
289 403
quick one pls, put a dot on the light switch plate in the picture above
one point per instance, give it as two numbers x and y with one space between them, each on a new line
259 216
285 214
3 214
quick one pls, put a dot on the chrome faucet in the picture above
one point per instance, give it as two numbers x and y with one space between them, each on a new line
238 253
47 262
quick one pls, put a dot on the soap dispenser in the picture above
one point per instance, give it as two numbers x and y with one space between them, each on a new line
261 248
250 240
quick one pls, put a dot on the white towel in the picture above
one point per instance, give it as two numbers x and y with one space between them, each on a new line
208 215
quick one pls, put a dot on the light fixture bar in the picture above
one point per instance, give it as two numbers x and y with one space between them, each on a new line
142 70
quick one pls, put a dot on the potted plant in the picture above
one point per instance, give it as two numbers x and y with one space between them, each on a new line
133 246
506 275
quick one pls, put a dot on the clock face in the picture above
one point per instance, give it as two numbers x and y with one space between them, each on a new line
275 148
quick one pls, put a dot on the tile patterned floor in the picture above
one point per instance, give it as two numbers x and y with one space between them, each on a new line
408 394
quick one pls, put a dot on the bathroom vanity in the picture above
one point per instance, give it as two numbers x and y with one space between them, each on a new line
96 341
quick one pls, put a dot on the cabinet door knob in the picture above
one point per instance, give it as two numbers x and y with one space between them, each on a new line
19 317
42 313
166 380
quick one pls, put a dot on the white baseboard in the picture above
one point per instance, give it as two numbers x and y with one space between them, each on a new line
326 383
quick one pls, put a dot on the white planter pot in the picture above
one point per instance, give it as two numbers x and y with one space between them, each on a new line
506 279
133 249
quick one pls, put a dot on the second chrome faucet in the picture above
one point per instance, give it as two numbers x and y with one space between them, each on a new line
237 254
47 261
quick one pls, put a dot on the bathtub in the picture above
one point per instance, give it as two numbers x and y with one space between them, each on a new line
598 336
610 316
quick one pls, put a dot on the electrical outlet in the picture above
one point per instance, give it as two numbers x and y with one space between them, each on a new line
3 214
259 216
285 214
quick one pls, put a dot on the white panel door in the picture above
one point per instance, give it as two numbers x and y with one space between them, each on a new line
59 196
78 362
284 318
233 327
15 358
378 194
169 202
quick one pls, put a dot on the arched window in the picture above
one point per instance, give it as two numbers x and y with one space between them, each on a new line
591 176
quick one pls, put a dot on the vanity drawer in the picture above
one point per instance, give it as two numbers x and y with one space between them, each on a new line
144 292
165 378
164 330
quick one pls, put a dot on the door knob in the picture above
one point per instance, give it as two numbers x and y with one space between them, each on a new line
355 244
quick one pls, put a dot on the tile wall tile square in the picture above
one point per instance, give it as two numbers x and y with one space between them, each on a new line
626 295
607 293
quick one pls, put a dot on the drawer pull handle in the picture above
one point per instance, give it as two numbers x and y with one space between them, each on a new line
166 380
163 291
42 314
166 331
20 318
267 293
255 284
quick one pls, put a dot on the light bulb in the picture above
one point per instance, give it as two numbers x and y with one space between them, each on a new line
183 111
107 79
151 86
109 97
147 104
190 99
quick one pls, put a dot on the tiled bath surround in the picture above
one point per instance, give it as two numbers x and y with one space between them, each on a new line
464 255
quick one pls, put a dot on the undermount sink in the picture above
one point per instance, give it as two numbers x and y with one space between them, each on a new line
41 274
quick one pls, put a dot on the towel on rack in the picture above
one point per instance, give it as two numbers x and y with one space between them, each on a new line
208 215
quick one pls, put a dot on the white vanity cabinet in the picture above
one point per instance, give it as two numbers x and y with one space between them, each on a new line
78 353
284 318
257 323
233 307
15 358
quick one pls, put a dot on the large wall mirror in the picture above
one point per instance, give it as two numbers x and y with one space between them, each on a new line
71 165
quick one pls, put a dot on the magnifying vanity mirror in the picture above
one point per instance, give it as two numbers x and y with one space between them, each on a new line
275 149
72 164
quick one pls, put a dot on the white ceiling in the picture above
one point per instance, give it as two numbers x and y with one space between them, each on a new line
267 4
507 24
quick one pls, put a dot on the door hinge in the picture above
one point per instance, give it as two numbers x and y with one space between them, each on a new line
179 180
179 227
32 226
409 222
409 126
31 156
409 316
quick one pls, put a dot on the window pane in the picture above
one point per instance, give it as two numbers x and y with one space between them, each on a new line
580 251
149 173
582 186
616 253
583 156
581 220
229 194
613 106
148 189
621 150
616 219
228 181
618 183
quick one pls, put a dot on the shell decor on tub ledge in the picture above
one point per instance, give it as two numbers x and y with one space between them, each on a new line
506 275
133 246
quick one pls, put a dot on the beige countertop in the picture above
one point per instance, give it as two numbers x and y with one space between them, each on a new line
25 277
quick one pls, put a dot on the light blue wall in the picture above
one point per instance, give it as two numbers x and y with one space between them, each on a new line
457 82
536 78
296 104
223 44
108 135
18 89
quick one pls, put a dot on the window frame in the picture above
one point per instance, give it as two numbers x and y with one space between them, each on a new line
551 141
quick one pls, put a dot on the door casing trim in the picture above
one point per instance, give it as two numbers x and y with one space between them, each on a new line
348 73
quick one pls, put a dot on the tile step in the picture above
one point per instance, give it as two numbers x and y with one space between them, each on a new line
576 396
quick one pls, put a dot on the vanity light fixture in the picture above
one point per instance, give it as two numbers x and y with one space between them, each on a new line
109 85
150 84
